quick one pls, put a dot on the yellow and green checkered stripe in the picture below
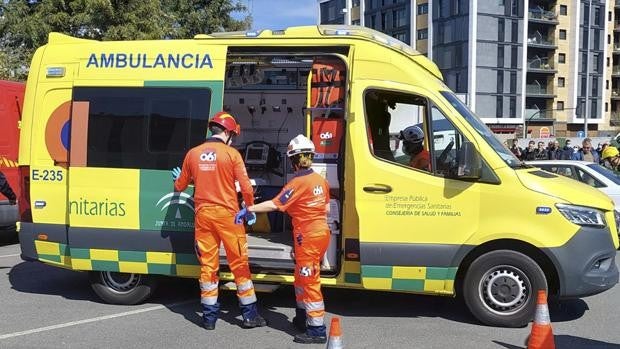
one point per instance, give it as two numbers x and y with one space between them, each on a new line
141 262
53 253
414 279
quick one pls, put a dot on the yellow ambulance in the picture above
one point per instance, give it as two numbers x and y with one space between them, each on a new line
104 122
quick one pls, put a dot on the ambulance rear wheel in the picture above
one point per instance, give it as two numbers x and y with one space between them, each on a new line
122 288
500 288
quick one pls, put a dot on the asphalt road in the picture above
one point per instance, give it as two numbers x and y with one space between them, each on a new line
47 307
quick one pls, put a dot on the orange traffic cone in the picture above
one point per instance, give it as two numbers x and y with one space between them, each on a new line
541 336
335 335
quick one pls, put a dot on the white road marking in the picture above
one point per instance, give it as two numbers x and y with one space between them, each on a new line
10 255
95 319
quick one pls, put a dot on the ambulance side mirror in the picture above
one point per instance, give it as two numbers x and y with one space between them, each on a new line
470 164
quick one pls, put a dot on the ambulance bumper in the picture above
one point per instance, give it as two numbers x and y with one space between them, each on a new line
586 264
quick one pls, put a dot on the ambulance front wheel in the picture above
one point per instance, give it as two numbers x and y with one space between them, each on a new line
500 288
122 288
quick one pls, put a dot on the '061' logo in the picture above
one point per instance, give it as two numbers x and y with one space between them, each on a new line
208 156
318 190
326 135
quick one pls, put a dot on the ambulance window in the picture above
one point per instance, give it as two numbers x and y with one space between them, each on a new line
395 128
145 128
447 142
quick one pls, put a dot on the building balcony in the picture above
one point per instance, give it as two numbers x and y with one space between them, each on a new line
616 48
533 115
540 15
540 65
537 40
615 71
617 26
614 118
539 91
615 93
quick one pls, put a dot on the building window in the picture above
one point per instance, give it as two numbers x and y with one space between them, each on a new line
499 107
609 16
608 61
402 36
422 9
355 3
563 10
596 67
514 7
561 58
594 86
513 83
501 30
560 105
594 111
513 107
355 22
597 16
608 39
383 21
500 56
607 84
515 31
500 81
514 57
562 34
423 34
606 107
561 82
399 18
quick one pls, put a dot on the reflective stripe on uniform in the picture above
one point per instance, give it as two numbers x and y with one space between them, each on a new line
315 321
246 286
314 306
208 286
208 300
247 299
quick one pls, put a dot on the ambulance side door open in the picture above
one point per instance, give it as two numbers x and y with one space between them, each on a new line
412 222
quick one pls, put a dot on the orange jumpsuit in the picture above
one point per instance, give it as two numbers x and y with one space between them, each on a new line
213 167
304 198
421 160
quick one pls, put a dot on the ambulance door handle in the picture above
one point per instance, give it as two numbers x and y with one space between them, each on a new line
378 189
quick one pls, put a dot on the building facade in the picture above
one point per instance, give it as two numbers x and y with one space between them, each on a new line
551 67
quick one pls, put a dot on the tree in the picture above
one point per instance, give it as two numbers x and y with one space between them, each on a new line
25 24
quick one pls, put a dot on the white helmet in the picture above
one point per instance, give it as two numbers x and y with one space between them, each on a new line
300 145
412 134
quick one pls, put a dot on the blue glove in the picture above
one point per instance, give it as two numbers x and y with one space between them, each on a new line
176 173
250 218
244 214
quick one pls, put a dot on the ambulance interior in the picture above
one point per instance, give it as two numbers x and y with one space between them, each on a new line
268 94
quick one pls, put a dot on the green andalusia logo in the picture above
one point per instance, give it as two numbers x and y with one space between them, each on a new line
161 208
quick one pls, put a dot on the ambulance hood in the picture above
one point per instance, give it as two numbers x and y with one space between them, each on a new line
570 190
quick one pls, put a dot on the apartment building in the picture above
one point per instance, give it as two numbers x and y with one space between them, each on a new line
535 65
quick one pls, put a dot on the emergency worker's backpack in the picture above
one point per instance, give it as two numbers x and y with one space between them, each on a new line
328 83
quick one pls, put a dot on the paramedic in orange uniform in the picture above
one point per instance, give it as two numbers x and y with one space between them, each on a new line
413 145
213 168
306 199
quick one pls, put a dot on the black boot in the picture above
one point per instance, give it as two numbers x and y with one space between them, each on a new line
313 335
210 313
250 315
299 321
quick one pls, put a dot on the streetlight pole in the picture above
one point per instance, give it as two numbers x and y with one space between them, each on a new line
588 107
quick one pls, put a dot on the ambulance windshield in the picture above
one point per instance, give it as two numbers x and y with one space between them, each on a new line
482 129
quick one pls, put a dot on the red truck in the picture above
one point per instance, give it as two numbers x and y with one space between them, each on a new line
11 102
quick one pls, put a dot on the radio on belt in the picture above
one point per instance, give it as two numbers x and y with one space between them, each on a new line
327 135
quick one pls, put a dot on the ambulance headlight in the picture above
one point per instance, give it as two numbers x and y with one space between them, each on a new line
584 216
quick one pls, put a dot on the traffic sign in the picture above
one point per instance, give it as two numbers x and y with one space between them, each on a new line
581 134
544 132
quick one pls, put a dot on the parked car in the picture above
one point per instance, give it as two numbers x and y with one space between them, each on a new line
590 173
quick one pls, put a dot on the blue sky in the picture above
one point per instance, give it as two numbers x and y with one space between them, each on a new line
279 14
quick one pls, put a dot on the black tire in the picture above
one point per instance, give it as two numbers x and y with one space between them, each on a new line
500 288
122 288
